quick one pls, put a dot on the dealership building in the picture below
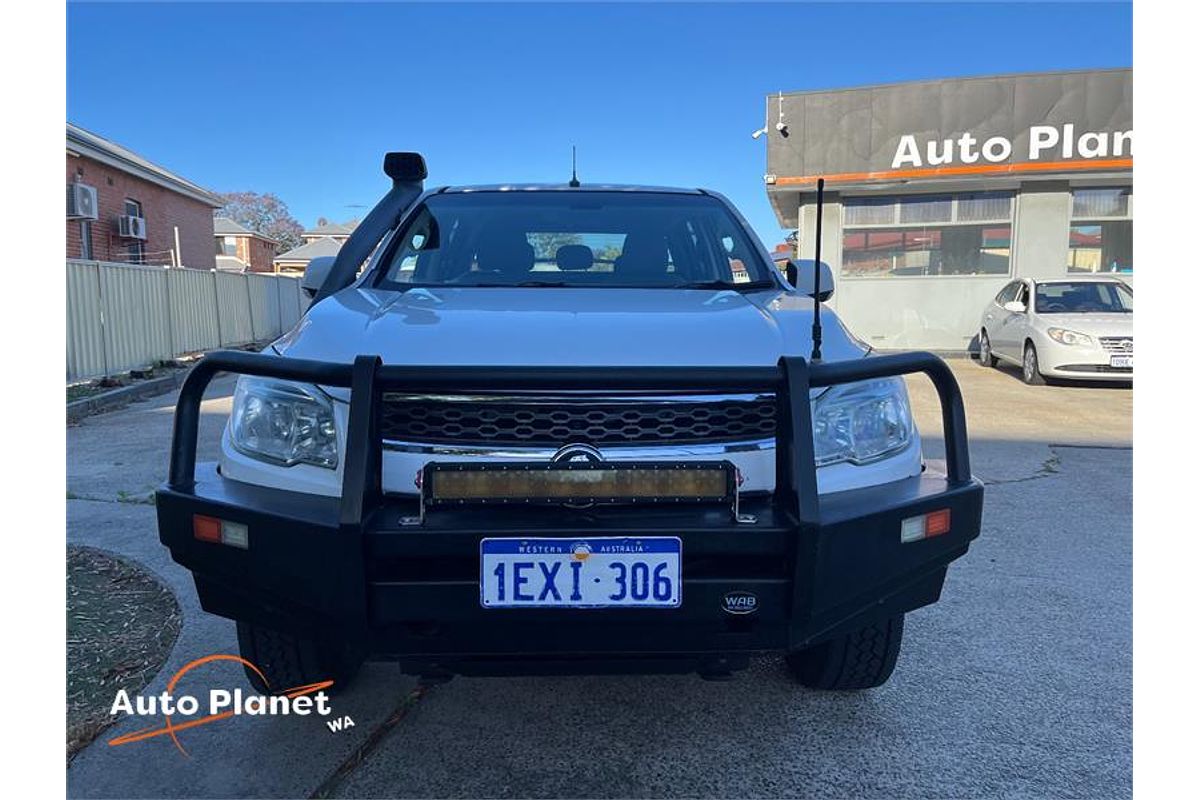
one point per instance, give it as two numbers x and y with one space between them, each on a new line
937 193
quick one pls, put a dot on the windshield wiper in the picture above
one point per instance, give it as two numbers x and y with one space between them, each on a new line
724 285
518 284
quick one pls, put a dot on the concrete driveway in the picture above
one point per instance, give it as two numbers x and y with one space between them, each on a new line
1016 683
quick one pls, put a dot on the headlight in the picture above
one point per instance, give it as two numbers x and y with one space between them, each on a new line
861 422
1064 336
283 423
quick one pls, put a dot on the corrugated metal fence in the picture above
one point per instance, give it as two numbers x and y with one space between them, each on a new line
124 316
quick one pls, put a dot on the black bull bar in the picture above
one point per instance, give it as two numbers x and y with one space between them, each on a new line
835 581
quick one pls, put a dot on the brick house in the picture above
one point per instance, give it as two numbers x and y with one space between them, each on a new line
121 207
338 231
242 250
296 259
323 240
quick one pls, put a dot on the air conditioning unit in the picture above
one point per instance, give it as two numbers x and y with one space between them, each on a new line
131 227
81 201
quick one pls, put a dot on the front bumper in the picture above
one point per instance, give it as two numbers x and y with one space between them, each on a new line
1074 362
356 568
412 593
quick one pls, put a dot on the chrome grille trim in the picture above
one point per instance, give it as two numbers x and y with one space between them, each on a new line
1117 344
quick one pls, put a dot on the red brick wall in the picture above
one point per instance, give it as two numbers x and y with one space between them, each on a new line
257 254
262 256
162 208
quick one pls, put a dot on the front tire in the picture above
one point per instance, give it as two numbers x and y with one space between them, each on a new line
861 659
986 357
289 661
1030 370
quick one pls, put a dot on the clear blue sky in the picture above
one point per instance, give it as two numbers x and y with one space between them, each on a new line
303 99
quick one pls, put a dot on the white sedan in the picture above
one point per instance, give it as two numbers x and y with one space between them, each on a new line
1071 328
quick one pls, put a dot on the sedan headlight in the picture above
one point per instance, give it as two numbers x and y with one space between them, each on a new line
861 422
283 423
1064 336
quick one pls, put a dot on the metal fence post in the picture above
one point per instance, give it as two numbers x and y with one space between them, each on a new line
103 319
217 308
170 317
277 281
250 307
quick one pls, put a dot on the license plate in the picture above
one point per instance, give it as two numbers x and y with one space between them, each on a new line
592 572
1121 361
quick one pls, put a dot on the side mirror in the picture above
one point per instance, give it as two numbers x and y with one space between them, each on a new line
315 274
803 275
1015 306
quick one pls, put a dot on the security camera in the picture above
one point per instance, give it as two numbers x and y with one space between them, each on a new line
781 126
758 132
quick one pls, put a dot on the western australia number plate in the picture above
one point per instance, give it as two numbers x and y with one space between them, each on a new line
1121 361
593 572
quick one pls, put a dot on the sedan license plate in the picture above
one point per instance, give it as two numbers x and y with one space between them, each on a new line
1121 361
592 572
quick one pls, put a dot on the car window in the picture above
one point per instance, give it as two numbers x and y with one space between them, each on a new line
1008 293
1022 294
559 238
1083 297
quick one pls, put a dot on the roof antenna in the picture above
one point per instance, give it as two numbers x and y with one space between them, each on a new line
574 184
816 328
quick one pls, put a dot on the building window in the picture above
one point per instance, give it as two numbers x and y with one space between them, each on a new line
85 239
1101 237
927 235
1093 203
227 246
132 208
135 252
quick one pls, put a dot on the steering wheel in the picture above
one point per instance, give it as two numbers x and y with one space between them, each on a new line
1055 307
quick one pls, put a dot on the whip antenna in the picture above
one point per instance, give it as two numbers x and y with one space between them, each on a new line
816 328
574 184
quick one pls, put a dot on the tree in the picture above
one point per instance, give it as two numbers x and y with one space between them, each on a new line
262 213
545 245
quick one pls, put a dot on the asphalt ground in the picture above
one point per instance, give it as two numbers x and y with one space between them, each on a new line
1017 683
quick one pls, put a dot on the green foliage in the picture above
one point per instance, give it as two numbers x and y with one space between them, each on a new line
545 245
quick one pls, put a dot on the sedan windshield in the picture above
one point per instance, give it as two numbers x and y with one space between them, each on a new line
556 238
1083 297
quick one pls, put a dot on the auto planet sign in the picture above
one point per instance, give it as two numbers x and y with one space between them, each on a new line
1059 123
1046 142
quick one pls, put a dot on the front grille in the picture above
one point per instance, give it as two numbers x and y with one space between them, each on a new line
1093 368
1117 344
555 423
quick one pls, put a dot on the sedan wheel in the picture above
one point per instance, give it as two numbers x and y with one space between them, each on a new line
1029 367
986 358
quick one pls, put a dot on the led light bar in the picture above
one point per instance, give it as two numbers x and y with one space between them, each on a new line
578 483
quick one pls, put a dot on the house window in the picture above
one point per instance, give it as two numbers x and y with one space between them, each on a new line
927 235
1101 235
133 208
85 239
227 246
135 251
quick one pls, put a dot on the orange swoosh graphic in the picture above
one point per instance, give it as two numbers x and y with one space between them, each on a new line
976 169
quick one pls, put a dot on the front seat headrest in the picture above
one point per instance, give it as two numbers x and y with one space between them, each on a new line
574 258
643 256
506 252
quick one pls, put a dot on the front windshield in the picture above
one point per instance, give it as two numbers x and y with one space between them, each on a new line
1083 297
565 238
